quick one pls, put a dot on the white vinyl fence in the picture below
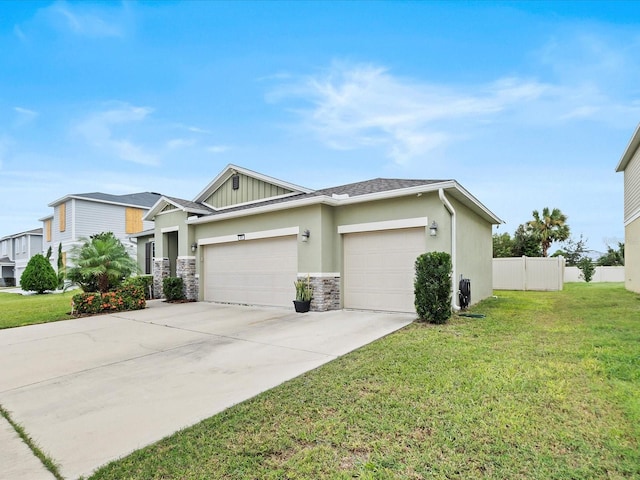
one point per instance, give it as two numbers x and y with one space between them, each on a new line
602 274
528 273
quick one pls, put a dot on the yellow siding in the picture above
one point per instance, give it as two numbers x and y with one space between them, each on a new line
62 216
47 229
251 190
133 217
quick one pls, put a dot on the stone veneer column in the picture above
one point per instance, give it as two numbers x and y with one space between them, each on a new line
326 292
161 270
186 269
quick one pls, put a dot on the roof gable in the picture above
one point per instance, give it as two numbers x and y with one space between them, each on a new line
139 200
239 186
172 204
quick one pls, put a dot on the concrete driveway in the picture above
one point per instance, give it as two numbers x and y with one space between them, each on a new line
91 390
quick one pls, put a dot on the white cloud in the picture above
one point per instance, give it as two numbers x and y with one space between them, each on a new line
363 106
24 115
218 148
176 143
100 130
88 19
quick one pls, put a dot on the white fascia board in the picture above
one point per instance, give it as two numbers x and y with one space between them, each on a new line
228 171
632 218
229 207
630 151
278 232
169 229
385 225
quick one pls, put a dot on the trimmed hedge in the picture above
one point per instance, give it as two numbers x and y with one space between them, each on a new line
173 288
127 297
432 287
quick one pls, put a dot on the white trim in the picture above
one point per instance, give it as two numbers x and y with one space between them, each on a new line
632 218
279 232
251 202
320 274
169 229
386 225
186 257
452 185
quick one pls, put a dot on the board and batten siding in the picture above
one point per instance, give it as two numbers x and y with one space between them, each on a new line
249 190
632 188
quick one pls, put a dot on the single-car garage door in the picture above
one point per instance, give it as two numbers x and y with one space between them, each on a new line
252 272
379 268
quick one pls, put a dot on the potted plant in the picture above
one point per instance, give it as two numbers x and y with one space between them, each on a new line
304 293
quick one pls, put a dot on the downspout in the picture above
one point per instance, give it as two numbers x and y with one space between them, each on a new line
454 290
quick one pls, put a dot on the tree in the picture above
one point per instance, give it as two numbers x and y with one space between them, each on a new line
549 227
525 243
39 275
101 263
48 257
61 267
587 268
502 245
572 251
613 257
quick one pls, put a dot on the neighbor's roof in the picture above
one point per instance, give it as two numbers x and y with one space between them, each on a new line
630 151
35 231
141 199
6 261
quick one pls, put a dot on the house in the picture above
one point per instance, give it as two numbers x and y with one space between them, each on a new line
15 252
78 216
630 165
246 237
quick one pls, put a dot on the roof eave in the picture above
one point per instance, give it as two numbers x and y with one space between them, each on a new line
327 200
630 151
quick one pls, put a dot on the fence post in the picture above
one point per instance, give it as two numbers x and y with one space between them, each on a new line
524 273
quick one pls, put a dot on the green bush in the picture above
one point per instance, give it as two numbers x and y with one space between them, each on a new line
587 268
39 276
145 282
432 287
127 297
173 288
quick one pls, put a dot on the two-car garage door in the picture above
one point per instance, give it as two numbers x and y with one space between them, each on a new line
252 272
379 268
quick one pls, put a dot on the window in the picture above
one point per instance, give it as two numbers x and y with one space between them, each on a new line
149 253
133 220
24 244
47 230
4 248
62 216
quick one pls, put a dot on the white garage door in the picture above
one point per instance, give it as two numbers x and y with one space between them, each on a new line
379 268
252 272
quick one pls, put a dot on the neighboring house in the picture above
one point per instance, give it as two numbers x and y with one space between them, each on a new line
630 165
247 237
15 252
78 216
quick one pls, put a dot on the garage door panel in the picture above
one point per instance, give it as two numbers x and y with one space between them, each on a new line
379 269
254 272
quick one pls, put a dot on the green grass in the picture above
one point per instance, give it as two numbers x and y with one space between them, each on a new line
547 386
18 310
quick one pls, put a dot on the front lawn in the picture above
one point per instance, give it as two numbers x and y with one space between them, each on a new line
18 310
547 386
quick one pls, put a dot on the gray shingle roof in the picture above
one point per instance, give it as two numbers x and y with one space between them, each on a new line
188 204
143 199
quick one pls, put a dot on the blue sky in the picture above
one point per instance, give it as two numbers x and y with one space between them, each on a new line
526 104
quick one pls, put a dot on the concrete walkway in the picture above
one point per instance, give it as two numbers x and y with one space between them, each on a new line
91 390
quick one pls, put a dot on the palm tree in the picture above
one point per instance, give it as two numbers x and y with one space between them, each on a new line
549 227
101 263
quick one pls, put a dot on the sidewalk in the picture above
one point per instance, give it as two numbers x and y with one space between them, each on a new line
17 460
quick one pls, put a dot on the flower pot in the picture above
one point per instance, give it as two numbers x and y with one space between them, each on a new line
302 307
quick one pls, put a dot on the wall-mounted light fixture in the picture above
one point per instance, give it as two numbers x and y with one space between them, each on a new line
433 229
241 236
194 246
305 235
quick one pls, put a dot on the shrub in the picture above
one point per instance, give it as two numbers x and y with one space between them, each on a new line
145 282
173 288
432 287
128 297
39 275
587 268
